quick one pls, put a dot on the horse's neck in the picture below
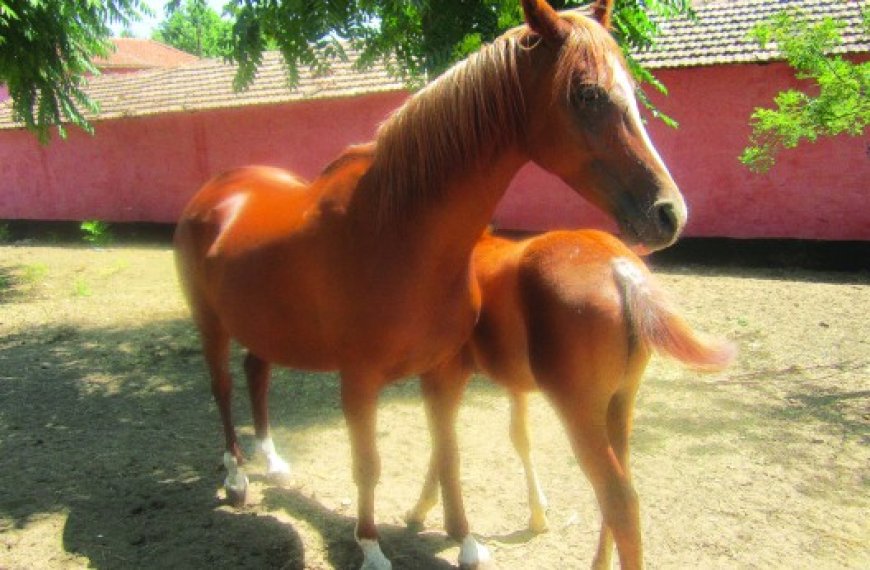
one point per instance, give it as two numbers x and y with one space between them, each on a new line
444 159
442 233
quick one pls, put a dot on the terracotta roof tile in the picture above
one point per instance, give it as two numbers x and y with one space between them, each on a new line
143 54
208 84
719 34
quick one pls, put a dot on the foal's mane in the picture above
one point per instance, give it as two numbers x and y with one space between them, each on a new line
473 111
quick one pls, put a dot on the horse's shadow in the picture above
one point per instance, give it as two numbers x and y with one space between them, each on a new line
110 441
401 544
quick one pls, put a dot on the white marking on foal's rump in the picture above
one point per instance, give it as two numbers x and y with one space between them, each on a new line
628 271
227 212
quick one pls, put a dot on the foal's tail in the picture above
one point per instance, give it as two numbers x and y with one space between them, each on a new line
656 324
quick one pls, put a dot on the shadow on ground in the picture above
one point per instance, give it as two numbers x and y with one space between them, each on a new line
114 429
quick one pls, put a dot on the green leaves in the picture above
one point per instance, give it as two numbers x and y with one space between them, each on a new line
416 39
197 29
840 104
46 46
46 49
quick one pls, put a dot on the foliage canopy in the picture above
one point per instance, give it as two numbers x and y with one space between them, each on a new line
837 98
46 49
195 28
47 46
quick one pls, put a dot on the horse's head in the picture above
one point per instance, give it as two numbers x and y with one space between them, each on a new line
585 126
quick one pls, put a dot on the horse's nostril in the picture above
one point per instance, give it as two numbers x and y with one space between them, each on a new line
667 217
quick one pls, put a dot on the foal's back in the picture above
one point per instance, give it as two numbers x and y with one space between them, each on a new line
549 302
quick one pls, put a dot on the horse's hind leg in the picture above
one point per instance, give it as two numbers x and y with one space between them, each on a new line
257 372
519 432
216 349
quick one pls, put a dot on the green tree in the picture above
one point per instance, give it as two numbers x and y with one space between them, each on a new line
836 101
195 28
46 46
46 49
423 37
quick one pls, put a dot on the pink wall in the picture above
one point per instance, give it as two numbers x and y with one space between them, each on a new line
816 191
146 169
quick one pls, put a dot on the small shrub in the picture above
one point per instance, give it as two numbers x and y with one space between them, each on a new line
97 233
81 288
34 273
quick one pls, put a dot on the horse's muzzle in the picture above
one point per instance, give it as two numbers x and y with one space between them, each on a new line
658 229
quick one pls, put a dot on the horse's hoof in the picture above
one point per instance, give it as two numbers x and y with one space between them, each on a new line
474 556
374 558
236 482
237 497
237 489
282 477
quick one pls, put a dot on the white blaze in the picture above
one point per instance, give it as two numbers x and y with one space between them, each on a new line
625 84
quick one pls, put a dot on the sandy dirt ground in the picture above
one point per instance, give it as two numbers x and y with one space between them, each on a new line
110 447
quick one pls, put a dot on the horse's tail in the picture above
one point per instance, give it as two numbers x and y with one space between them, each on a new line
655 323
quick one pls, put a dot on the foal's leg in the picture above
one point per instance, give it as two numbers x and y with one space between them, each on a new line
257 372
428 495
359 401
616 496
519 431
442 392
620 417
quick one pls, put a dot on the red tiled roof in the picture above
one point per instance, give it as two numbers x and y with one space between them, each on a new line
719 34
208 84
138 53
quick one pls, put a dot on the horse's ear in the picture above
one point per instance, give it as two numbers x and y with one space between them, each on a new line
542 19
602 10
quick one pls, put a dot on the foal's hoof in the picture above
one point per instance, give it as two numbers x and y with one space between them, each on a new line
539 524
415 522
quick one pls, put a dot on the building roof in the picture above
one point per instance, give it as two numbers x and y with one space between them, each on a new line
135 53
719 34
208 84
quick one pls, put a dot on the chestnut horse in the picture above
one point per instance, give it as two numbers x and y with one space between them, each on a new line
366 269
576 315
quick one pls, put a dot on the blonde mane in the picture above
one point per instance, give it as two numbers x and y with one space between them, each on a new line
473 110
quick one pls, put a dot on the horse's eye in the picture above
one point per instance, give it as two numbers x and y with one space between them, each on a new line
588 95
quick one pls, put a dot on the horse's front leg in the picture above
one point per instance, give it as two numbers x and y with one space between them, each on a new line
359 400
519 431
442 391
257 372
